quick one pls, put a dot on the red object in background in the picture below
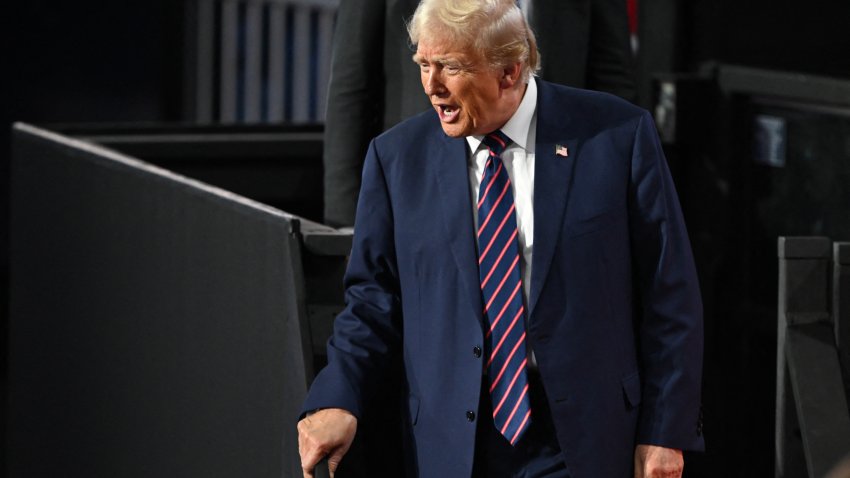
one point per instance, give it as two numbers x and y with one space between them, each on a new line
632 6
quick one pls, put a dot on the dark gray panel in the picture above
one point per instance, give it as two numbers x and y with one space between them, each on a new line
819 396
804 247
787 85
155 322
279 165
841 307
812 421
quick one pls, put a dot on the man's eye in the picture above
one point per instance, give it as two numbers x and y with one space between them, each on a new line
452 69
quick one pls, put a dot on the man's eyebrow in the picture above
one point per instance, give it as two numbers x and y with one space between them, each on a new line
440 59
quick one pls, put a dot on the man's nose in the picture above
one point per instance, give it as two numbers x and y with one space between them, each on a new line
433 85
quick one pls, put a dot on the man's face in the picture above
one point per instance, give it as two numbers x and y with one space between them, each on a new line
467 94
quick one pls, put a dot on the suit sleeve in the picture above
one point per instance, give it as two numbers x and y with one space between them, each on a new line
610 63
670 317
354 104
367 334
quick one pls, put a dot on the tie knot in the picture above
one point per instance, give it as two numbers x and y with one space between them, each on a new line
497 142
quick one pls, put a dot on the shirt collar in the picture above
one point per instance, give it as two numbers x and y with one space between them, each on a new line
517 128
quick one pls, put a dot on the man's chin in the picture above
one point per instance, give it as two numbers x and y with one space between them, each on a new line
454 130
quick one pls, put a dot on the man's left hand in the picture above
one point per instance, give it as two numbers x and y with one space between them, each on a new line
658 462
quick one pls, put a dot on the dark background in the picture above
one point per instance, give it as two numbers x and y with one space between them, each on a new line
106 62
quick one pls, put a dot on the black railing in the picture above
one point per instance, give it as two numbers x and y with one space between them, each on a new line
812 418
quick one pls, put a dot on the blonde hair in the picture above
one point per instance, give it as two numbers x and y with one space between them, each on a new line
494 28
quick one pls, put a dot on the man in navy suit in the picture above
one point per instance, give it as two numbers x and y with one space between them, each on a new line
602 368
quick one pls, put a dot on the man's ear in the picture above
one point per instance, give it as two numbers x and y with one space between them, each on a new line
510 75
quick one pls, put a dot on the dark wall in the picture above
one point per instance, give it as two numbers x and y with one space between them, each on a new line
680 35
83 61
788 35
96 60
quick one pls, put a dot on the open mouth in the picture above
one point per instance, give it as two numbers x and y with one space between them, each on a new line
448 113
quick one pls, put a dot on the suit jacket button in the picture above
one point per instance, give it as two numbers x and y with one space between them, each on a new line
470 416
476 351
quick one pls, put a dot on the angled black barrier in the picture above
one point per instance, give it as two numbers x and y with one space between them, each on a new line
812 419
158 326
277 165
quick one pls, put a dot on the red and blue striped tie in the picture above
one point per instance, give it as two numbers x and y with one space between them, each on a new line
501 287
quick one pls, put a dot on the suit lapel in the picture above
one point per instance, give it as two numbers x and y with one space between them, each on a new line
553 175
456 202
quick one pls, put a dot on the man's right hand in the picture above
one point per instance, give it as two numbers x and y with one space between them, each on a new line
327 432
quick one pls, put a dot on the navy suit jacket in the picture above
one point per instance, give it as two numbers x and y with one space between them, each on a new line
615 317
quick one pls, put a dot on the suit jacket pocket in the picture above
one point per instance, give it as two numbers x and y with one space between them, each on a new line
591 223
631 390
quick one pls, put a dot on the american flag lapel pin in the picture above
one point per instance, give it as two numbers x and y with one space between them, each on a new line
561 150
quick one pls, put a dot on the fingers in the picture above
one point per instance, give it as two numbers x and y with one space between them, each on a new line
656 470
651 471
314 466
310 451
662 473
309 462
658 462
334 459
328 432
306 468
657 473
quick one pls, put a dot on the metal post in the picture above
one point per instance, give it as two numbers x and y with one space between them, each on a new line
809 376
841 306
803 265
